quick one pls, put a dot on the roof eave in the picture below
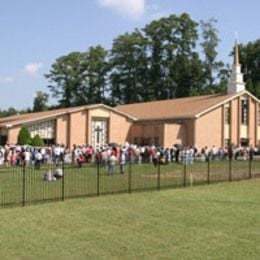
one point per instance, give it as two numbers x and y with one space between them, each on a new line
52 116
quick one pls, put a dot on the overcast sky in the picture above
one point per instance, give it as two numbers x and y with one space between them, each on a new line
34 33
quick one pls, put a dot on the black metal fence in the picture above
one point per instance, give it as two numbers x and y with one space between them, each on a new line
25 185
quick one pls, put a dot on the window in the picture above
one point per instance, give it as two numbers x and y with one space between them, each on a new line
227 115
99 131
45 129
244 112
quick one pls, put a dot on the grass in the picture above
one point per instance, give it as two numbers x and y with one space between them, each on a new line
219 221
85 181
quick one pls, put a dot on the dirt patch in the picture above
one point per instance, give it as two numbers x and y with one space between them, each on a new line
166 175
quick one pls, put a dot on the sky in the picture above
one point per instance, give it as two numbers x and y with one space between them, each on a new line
33 34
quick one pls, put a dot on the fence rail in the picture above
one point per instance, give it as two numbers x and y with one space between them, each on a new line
24 185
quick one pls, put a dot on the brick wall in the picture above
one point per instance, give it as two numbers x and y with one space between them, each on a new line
208 129
78 128
174 134
119 129
13 134
62 130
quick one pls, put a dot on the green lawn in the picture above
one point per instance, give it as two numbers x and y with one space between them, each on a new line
85 181
219 221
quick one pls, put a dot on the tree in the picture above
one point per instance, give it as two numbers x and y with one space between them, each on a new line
9 112
250 60
95 69
187 67
79 77
209 45
155 33
24 136
37 141
160 61
40 101
66 79
128 69
173 59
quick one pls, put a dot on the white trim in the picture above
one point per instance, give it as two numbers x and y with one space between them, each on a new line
112 109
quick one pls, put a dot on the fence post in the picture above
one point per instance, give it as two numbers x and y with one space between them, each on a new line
250 168
159 175
230 169
129 175
24 193
208 170
98 175
184 173
63 181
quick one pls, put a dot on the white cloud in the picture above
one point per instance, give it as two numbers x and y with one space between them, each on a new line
6 79
134 9
32 68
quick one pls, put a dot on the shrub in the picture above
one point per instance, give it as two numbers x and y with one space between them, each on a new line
37 141
24 136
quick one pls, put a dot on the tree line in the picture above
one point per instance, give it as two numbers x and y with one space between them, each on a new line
171 57
168 58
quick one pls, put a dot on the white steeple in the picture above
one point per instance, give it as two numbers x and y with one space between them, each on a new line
236 82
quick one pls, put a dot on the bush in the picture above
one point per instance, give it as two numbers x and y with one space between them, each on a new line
37 141
24 136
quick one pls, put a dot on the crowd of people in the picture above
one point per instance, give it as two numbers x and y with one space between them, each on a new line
110 155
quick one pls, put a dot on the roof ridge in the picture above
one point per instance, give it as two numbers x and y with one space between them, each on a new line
174 99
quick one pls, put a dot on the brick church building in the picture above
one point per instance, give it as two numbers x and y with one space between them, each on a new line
219 119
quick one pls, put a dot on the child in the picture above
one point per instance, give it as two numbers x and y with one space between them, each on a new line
58 173
48 176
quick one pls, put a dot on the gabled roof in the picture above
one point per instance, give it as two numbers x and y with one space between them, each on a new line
51 114
189 107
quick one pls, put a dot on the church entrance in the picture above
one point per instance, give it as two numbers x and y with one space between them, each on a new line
99 132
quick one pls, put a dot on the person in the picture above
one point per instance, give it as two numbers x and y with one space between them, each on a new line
48 176
111 166
230 153
214 153
58 173
27 157
38 160
251 153
122 161
177 154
